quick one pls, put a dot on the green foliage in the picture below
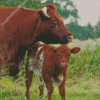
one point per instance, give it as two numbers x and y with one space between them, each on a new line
33 4
76 89
83 32
87 62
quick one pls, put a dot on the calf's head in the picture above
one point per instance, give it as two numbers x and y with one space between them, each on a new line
63 55
50 28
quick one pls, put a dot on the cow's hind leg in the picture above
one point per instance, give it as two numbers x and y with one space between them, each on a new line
41 86
28 79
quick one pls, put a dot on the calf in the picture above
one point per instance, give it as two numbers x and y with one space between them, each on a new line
50 63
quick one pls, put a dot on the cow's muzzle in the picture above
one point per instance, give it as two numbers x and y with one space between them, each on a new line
69 38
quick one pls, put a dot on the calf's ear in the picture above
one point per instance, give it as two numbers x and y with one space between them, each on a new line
54 49
43 13
75 50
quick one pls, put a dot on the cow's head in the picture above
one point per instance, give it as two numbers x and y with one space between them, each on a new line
51 28
63 55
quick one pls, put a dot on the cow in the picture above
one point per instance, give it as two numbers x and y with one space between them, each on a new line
50 63
21 28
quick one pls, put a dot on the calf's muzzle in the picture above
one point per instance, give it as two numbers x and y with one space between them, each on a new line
63 65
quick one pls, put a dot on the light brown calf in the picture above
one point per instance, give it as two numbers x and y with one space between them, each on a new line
50 63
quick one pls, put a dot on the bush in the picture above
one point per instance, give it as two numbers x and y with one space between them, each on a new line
86 62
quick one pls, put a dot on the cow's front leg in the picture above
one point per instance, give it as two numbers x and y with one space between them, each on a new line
62 90
41 86
28 79
49 86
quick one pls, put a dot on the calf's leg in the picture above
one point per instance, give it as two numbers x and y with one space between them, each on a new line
41 86
28 79
49 86
62 90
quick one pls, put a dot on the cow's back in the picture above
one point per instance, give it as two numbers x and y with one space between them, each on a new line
5 12
13 12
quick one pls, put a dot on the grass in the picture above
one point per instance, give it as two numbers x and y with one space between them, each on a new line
84 88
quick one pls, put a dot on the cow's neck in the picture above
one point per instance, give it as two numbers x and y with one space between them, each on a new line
28 31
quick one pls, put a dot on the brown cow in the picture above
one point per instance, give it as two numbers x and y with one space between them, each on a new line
20 28
50 63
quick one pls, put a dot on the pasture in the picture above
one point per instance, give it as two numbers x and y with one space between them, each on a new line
83 80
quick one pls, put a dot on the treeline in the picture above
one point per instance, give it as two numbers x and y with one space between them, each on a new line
67 10
32 4
84 32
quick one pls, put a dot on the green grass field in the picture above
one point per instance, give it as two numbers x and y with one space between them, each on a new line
84 88
83 80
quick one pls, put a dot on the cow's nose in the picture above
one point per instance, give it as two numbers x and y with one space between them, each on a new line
70 37
63 64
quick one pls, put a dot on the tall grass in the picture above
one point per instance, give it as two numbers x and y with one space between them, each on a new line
86 62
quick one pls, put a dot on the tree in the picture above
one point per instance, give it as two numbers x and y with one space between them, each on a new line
97 26
80 32
33 4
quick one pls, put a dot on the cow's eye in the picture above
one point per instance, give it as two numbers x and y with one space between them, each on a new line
54 21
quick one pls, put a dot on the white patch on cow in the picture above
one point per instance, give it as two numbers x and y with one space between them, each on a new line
26 79
41 81
25 98
47 91
60 77
40 42
39 49
31 61
37 68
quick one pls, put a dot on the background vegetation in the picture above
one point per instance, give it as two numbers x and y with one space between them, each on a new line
83 80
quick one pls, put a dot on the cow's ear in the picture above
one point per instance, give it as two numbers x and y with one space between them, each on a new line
75 50
43 13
